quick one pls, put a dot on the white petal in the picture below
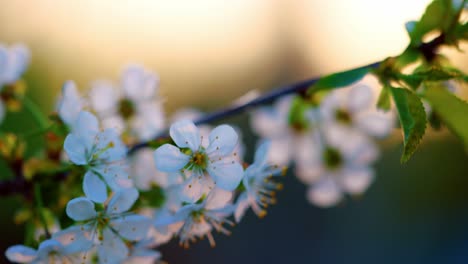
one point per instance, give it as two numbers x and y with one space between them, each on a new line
360 97
48 246
115 174
149 121
268 122
75 238
114 122
132 227
242 205
169 158
223 140
360 151
80 209
185 134
20 254
193 189
281 151
217 199
330 104
94 188
143 256
86 128
324 193
112 249
76 149
376 123
70 104
306 148
104 97
17 61
145 174
3 62
138 84
261 154
110 146
226 174
309 173
356 181
122 200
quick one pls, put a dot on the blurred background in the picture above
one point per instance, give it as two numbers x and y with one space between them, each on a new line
207 49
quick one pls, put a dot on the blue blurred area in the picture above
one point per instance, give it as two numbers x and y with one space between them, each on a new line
413 213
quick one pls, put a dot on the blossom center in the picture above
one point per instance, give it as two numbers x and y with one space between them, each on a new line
199 159
299 127
343 116
197 215
332 158
126 108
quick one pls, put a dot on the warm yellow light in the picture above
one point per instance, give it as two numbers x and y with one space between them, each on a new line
340 34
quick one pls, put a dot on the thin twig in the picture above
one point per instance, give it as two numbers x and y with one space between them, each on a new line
237 109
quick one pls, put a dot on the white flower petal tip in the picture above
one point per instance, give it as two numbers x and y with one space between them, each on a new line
122 200
21 254
185 134
80 209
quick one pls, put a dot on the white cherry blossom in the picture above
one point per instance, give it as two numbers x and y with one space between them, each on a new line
133 106
204 168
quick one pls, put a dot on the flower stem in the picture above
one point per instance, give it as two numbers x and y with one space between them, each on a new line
40 206
36 113
36 132
237 109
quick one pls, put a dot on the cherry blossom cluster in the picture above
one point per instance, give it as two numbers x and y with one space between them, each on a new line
205 184
332 147
127 178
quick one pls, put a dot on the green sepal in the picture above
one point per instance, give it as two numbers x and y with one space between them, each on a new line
297 117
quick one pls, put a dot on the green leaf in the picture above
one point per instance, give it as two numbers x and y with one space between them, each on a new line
436 73
340 79
438 15
461 31
384 101
451 109
412 119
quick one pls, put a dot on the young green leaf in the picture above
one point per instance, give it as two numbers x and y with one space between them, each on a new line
384 101
436 73
451 109
412 119
461 31
439 15
340 79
